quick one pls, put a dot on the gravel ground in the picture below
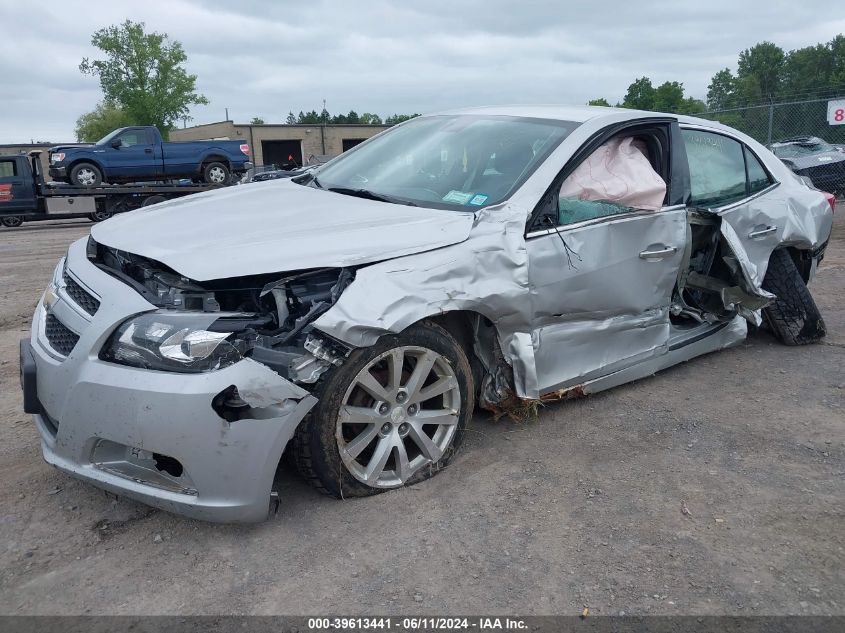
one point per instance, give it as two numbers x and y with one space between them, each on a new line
580 507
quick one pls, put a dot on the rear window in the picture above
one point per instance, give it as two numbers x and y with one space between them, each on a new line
758 177
717 168
8 169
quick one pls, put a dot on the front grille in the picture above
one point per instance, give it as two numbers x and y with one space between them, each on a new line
61 338
81 297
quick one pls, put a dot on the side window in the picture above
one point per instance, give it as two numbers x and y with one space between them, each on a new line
717 168
618 177
758 177
8 169
131 138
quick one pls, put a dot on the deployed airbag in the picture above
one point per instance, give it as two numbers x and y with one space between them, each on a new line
615 178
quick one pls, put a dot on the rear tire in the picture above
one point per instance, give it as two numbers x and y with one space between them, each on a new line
338 445
86 175
216 174
12 221
99 216
148 202
793 316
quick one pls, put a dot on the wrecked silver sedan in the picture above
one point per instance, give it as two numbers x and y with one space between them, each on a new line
356 315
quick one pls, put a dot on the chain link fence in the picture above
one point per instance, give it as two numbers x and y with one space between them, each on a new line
773 122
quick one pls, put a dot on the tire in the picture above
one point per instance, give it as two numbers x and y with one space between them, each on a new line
793 316
334 452
99 216
12 221
86 175
216 174
153 200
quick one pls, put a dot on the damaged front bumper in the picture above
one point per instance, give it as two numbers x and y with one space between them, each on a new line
153 436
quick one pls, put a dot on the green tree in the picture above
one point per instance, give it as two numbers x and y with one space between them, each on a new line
601 101
256 120
721 91
291 120
668 97
640 95
94 125
143 74
399 118
368 118
691 105
759 71
309 118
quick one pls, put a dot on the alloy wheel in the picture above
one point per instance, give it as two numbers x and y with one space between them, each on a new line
399 414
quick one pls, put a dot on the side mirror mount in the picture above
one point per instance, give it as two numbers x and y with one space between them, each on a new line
117 143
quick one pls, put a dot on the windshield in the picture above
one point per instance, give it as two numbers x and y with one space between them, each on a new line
448 162
796 150
108 137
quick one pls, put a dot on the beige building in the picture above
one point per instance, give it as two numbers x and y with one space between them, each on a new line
282 144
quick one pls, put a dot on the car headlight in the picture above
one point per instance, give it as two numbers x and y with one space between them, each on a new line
57 157
173 342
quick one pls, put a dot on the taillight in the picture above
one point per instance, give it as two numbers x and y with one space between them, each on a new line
831 200
245 149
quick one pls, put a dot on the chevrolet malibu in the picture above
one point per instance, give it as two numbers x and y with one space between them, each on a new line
356 315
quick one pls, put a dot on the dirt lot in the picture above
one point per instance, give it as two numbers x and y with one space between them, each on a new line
581 507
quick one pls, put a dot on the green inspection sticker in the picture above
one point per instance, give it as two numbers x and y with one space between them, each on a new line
458 197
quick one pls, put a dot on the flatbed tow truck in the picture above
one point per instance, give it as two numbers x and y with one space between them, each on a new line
26 197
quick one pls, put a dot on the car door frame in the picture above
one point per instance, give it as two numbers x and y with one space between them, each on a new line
623 335
137 163
751 235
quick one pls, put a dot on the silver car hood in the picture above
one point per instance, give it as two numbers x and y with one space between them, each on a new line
277 226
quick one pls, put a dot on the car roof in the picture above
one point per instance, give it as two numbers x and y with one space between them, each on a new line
573 113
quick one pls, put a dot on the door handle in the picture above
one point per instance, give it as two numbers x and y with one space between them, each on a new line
148 150
762 232
658 253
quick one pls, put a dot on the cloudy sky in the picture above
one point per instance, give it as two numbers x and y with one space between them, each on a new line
266 57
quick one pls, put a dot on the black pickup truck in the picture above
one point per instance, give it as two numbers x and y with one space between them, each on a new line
25 196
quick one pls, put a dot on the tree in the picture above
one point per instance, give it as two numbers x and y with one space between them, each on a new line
310 118
143 74
691 105
721 91
640 95
759 70
368 118
668 97
399 118
291 120
94 125
256 120
601 101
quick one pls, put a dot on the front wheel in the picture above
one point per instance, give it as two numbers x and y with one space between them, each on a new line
392 415
216 174
793 316
86 175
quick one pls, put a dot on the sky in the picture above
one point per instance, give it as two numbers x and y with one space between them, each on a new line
267 57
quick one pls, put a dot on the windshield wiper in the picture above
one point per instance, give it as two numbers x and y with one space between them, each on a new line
370 195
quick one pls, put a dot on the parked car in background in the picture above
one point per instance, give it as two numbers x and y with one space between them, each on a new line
820 161
274 172
135 154
356 314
